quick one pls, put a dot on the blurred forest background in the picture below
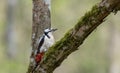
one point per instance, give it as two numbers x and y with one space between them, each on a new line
100 52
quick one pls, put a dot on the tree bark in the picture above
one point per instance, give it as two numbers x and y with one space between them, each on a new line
41 20
75 36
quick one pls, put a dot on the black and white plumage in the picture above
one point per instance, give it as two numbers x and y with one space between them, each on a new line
46 41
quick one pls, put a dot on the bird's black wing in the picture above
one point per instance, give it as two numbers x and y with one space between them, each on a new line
40 44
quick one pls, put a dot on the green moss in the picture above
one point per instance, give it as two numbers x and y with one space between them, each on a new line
71 41
85 20
58 44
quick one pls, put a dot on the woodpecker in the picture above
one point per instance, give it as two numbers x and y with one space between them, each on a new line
46 41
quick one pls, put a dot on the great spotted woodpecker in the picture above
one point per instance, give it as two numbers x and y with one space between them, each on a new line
46 41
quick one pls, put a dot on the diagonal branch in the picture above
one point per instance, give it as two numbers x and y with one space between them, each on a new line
75 36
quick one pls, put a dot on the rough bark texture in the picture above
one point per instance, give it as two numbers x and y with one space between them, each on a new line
41 21
75 36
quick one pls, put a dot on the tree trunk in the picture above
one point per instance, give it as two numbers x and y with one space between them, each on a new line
41 21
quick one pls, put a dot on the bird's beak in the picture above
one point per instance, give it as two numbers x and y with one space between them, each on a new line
53 30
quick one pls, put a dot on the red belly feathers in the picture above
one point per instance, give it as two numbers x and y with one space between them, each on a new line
38 57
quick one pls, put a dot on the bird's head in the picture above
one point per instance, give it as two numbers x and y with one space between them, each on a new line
48 30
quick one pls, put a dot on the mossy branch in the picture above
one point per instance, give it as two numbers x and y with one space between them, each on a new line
75 36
